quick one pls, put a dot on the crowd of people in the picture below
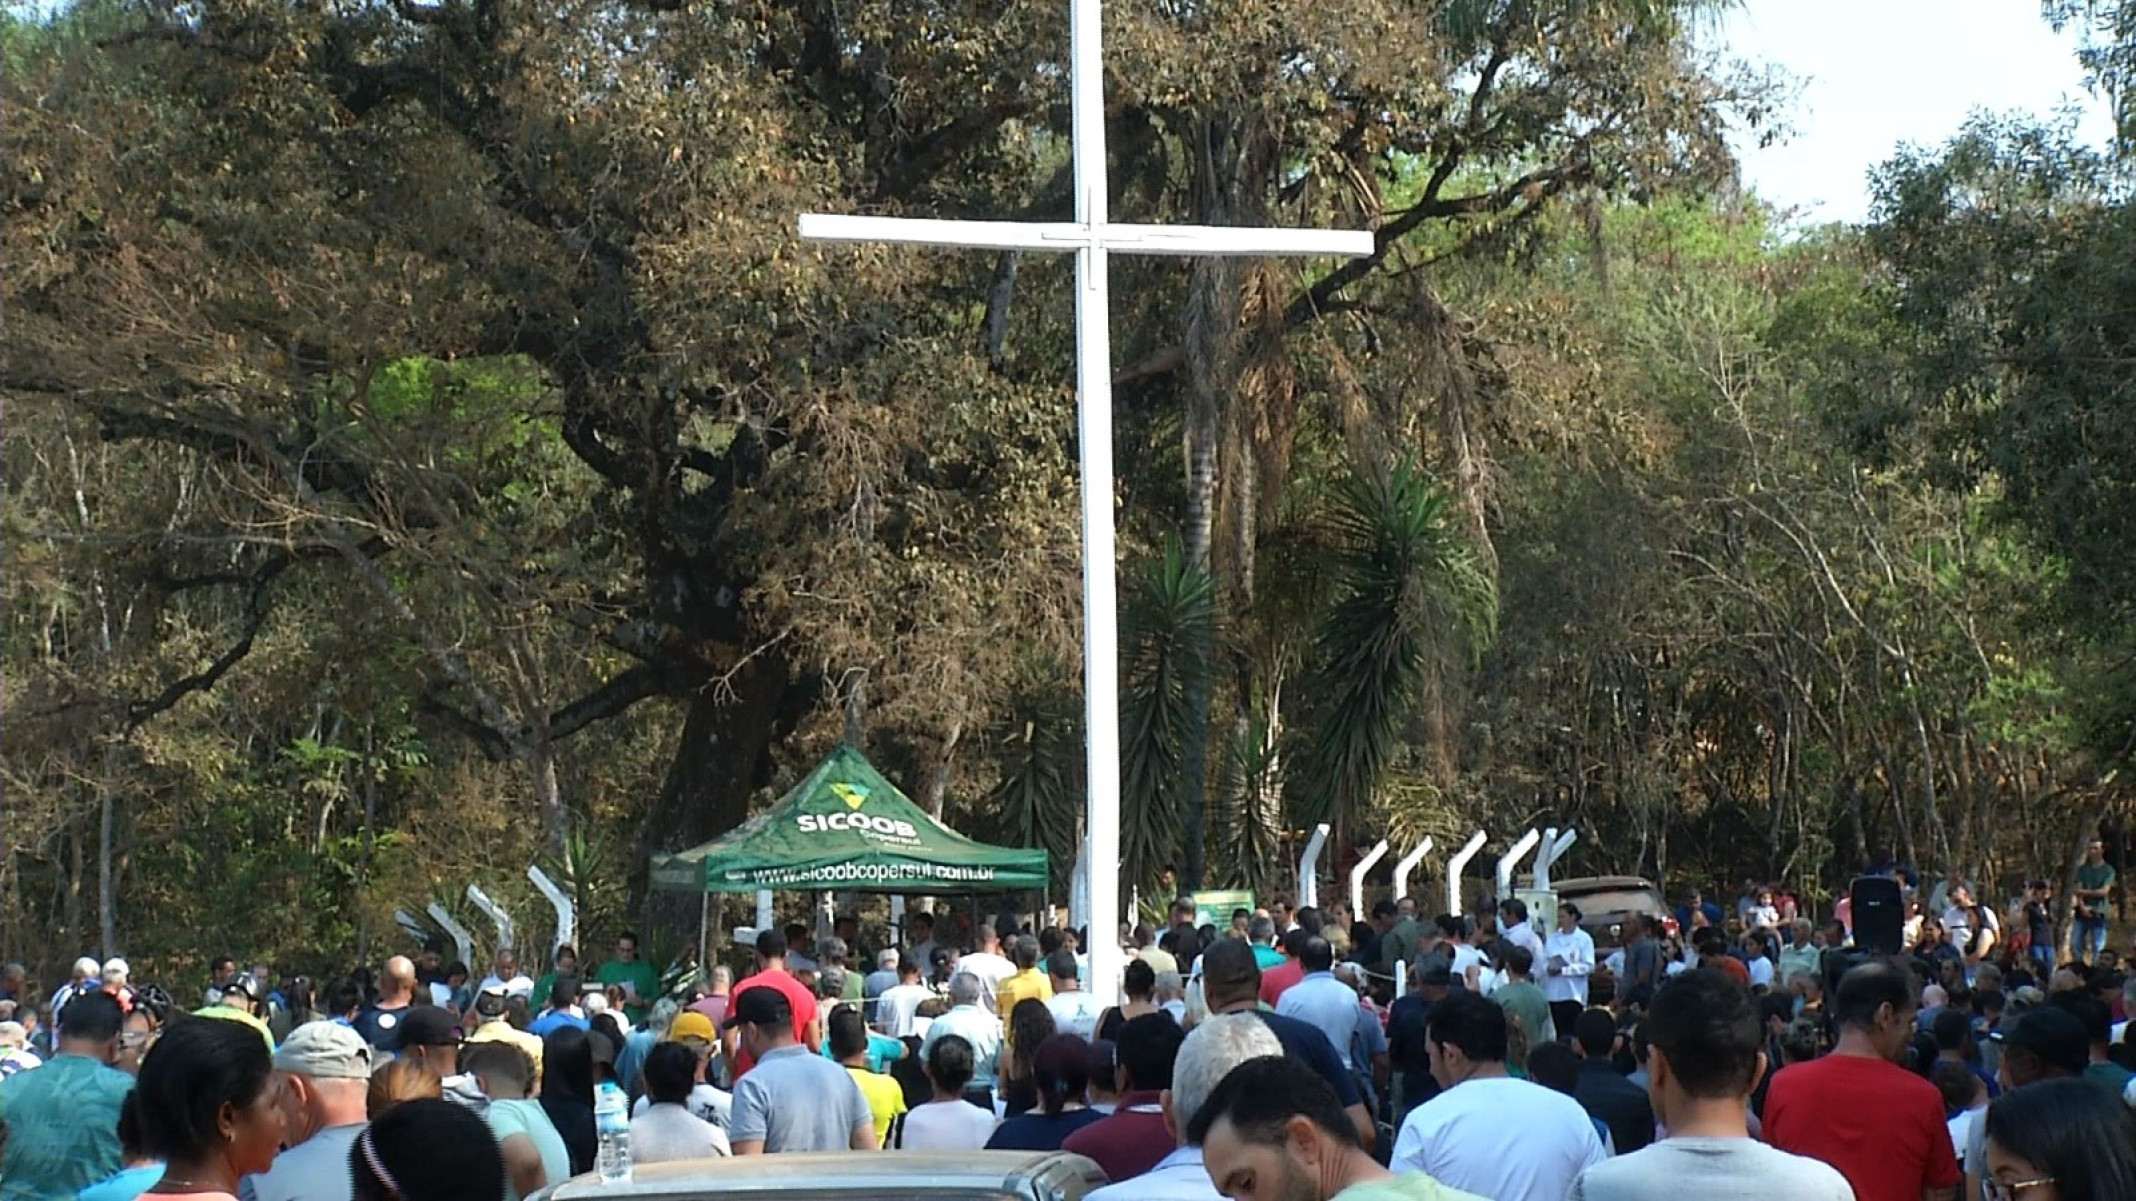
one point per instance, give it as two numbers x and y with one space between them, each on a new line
1287 1055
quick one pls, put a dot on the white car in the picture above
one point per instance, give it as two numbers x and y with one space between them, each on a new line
851 1176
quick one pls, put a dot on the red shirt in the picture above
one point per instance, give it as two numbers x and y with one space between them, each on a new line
1879 1124
797 996
1129 1141
1277 979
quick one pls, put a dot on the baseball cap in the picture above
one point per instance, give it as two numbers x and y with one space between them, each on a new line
691 1024
2052 1034
326 1050
759 1007
429 1026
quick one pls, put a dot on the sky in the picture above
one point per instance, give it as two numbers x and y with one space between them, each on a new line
1875 73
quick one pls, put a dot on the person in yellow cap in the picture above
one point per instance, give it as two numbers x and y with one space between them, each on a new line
694 1030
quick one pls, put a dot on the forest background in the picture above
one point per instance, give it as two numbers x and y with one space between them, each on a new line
428 451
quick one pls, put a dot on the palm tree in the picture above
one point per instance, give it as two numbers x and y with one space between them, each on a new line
1412 603
1169 628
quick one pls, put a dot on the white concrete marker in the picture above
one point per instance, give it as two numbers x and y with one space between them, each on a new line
1308 884
1357 880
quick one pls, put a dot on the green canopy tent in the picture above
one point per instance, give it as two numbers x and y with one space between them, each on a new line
846 827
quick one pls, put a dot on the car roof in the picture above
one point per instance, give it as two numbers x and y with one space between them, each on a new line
1601 884
860 1173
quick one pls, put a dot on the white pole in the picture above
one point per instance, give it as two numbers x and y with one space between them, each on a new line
763 910
1511 859
566 913
1357 880
897 917
1406 865
1093 370
497 916
1546 859
1453 871
460 938
1308 883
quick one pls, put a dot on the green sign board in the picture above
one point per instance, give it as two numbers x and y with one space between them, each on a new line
1215 907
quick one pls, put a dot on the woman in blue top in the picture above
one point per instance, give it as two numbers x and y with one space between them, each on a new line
1061 1071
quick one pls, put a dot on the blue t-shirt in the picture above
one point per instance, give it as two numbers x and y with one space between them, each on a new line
882 1052
555 1020
1034 1131
1303 1042
62 1128
125 1186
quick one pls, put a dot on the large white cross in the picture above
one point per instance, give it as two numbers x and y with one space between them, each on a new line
1090 236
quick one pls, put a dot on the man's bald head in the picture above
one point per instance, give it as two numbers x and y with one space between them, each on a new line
399 977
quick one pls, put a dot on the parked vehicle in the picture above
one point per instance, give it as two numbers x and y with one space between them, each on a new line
1606 903
851 1176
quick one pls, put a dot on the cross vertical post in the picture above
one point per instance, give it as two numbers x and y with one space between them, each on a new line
1093 389
1092 236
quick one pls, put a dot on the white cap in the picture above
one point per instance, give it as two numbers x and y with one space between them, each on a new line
519 986
594 1002
115 971
86 966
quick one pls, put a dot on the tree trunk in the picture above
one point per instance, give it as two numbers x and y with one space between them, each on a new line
548 794
107 901
722 757
2065 911
938 780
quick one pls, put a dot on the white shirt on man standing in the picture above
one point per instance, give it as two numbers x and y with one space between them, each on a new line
1568 958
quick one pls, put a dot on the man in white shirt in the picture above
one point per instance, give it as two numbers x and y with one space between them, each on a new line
976 1023
504 973
1074 1010
987 965
1568 958
899 1006
1207 1056
1321 1001
1514 928
1487 1133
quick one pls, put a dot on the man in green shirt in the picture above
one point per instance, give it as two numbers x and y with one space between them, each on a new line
566 965
63 1118
641 986
2095 878
1398 939
1524 1003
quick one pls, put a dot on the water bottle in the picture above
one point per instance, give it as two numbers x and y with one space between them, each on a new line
611 1120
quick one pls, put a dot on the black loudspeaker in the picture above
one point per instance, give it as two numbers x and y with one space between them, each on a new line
1879 915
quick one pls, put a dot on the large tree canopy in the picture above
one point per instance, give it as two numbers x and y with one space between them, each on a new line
431 447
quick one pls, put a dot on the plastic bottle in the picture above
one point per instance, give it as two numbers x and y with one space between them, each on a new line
611 1122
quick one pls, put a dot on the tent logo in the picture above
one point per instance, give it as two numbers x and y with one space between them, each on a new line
852 794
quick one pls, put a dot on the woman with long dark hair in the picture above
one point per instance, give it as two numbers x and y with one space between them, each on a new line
567 1092
1060 1072
1030 1025
206 1109
2060 1140
1138 986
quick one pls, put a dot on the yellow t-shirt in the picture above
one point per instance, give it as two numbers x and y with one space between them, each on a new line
499 1031
886 1099
1026 984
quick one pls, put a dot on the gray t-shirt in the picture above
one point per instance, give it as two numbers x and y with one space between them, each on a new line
1711 1169
796 1100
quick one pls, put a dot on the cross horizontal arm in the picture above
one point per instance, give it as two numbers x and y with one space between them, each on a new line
916 231
1252 241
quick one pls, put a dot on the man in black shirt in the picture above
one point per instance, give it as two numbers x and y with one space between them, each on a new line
1231 983
1407 1023
1603 1091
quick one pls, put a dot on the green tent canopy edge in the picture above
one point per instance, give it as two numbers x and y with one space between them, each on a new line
847 827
